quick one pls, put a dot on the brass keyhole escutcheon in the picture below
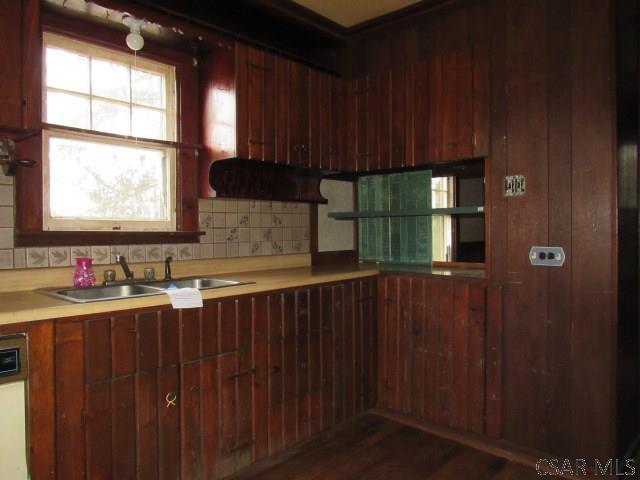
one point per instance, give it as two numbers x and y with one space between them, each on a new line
171 398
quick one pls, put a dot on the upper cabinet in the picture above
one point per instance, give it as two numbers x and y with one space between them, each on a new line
327 141
256 108
292 112
259 106
11 59
434 110
20 83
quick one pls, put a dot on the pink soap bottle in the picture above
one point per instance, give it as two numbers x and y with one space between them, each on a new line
84 277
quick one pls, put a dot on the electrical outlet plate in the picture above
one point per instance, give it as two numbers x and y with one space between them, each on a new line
547 256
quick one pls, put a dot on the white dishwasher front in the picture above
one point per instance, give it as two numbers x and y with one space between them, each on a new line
14 457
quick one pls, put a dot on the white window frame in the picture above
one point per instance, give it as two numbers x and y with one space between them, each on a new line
83 224
133 61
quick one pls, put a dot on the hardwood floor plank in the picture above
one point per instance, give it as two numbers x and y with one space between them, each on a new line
376 448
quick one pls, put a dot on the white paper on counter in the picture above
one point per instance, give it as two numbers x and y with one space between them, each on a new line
185 297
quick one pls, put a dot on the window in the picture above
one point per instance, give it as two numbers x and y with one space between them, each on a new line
422 216
109 166
441 229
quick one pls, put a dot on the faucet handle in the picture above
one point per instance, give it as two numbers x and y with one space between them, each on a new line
167 267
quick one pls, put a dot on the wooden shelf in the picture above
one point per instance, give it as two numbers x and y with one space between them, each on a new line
408 213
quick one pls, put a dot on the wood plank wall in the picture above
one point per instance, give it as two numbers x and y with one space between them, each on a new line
552 120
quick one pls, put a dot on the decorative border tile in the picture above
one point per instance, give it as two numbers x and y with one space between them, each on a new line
82 251
6 259
185 251
101 255
59 256
37 257
137 254
153 253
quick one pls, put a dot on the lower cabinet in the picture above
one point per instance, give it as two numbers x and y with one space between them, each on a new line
433 349
203 393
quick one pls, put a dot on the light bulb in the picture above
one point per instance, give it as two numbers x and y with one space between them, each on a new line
135 41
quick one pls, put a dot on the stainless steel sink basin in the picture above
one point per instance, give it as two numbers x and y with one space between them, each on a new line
95 294
199 283
117 292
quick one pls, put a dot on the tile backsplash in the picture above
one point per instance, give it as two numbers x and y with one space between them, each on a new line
233 228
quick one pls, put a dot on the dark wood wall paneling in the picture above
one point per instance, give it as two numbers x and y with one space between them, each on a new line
556 115
199 393
551 118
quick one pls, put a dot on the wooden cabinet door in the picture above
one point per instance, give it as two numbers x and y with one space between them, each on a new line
365 111
327 121
448 107
392 109
366 333
320 117
255 97
336 155
451 116
481 94
11 14
398 114
418 113
298 114
235 378
432 350
137 416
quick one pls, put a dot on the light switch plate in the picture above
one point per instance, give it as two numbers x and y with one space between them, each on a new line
514 185
547 256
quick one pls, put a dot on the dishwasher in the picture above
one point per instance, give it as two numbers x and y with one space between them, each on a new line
14 456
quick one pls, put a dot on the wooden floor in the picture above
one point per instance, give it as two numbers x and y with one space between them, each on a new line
375 448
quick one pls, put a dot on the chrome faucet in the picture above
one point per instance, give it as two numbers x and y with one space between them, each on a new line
125 268
167 268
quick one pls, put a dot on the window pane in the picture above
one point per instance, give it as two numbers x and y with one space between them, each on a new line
110 79
69 110
96 181
66 70
148 123
441 193
441 238
147 89
111 117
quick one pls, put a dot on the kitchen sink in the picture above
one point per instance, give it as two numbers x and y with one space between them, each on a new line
199 283
130 290
96 294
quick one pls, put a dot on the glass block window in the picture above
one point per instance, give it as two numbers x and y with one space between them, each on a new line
402 239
